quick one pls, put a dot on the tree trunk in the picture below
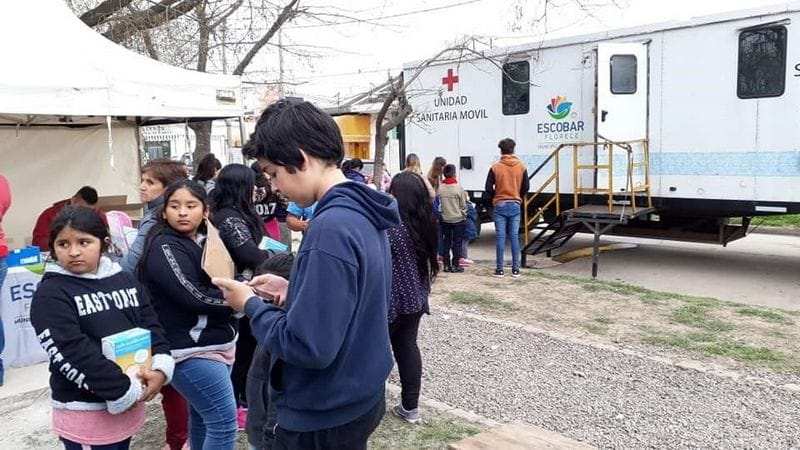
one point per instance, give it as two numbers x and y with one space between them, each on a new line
202 134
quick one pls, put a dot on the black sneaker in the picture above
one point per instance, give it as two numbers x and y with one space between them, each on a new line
457 269
448 269
499 273
515 273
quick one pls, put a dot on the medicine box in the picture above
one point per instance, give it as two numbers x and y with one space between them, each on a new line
129 349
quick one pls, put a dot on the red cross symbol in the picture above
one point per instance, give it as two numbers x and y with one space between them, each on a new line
450 79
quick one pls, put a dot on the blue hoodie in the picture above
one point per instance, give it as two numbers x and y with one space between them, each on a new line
330 347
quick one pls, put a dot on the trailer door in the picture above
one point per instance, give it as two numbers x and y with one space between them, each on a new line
621 109
622 92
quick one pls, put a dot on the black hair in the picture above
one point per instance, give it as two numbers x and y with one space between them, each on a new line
356 164
288 126
88 194
161 224
449 171
208 166
416 212
80 218
507 146
234 189
280 265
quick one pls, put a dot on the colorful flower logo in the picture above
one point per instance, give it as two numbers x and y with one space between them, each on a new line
559 108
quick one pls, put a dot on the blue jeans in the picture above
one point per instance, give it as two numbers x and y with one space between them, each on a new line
206 386
506 224
3 271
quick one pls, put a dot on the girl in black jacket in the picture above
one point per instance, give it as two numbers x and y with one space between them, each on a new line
241 229
201 329
83 298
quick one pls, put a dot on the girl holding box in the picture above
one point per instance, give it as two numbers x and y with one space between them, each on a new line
83 298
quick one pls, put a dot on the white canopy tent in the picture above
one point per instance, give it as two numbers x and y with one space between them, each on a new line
71 103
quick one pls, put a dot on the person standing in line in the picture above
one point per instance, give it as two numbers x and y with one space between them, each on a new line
156 176
352 170
454 201
435 173
5 205
269 205
413 165
241 230
506 186
414 267
95 404
329 349
207 172
199 326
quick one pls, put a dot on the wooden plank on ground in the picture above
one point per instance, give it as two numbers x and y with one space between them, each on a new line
518 437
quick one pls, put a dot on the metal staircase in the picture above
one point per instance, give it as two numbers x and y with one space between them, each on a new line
597 207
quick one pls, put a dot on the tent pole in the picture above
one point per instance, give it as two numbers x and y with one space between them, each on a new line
110 141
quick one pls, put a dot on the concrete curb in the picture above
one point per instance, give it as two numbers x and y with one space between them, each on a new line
683 364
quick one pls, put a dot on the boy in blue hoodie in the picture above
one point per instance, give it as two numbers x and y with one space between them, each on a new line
330 345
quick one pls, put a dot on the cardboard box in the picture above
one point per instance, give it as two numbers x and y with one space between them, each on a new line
129 349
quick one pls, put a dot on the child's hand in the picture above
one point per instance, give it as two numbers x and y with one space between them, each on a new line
153 381
236 293
272 287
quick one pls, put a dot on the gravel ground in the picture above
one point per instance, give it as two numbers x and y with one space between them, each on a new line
602 397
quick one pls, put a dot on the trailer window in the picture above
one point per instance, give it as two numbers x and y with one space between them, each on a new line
623 74
762 63
516 88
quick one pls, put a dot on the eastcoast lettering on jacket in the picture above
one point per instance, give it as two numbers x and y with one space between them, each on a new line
57 360
97 302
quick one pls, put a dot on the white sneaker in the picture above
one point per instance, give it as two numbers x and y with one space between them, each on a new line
409 416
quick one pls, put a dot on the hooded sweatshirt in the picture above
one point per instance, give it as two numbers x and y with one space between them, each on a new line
71 314
507 180
191 309
330 349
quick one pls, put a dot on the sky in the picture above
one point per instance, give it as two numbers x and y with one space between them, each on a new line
355 56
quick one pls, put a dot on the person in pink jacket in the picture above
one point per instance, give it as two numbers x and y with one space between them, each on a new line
5 204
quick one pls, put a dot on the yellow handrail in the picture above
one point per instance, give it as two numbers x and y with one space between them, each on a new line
630 188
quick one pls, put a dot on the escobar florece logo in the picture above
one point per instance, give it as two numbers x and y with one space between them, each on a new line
560 129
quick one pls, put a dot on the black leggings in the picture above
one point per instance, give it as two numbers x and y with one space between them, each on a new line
403 335
245 347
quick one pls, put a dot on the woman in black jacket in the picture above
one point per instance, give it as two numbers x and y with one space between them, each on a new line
241 229
199 326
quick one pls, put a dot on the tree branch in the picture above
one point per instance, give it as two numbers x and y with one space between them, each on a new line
100 13
288 13
153 17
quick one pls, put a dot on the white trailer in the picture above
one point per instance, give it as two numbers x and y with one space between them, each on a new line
717 99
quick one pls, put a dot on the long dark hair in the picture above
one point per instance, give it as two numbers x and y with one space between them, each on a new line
161 225
416 212
80 218
208 166
234 189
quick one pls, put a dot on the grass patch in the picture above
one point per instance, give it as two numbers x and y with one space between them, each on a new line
433 433
785 221
711 345
482 300
697 316
765 314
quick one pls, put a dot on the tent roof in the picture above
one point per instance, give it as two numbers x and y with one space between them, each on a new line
54 65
